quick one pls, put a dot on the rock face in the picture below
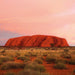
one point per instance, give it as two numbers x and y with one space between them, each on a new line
37 41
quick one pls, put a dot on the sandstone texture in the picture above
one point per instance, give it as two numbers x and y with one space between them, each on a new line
37 41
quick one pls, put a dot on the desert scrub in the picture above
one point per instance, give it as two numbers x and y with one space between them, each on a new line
31 72
23 58
39 61
9 73
60 65
51 59
72 61
64 55
5 58
34 54
36 67
73 72
17 54
11 65
26 59
11 53
45 54
66 51
3 51
28 54
1 62
61 60
40 57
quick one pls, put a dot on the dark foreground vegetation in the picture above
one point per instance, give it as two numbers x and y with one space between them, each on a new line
37 61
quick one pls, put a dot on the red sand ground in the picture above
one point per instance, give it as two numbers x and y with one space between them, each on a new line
52 71
49 68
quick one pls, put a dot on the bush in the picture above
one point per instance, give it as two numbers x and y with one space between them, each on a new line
10 73
17 54
50 59
61 60
31 65
23 58
44 54
40 57
74 70
39 61
28 55
5 58
72 61
31 72
36 67
66 51
60 66
1 62
3 51
68 56
41 68
27 59
11 59
34 54
12 65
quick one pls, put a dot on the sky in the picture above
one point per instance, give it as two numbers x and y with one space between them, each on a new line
37 17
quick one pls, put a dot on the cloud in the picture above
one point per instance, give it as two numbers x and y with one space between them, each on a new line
66 13
48 17
5 35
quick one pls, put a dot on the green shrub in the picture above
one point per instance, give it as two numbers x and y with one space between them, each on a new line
1 62
41 68
61 60
34 54
12 65
64 55
72 61
17 54
11 59
26 59
50 59
31 65
36 67
44 54
31 72
23 58
3 51
5 58
40 57
10 73
60 66
39 61
66 51
74 70
67 56
28 55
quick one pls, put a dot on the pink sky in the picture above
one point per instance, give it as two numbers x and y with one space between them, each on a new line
48 17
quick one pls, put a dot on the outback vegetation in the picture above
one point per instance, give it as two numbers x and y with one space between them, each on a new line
37 61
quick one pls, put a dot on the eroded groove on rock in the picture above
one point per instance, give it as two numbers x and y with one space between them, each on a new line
37 41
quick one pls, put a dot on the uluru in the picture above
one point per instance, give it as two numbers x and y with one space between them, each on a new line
37 41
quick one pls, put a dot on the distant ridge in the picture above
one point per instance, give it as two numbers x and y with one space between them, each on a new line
37 41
